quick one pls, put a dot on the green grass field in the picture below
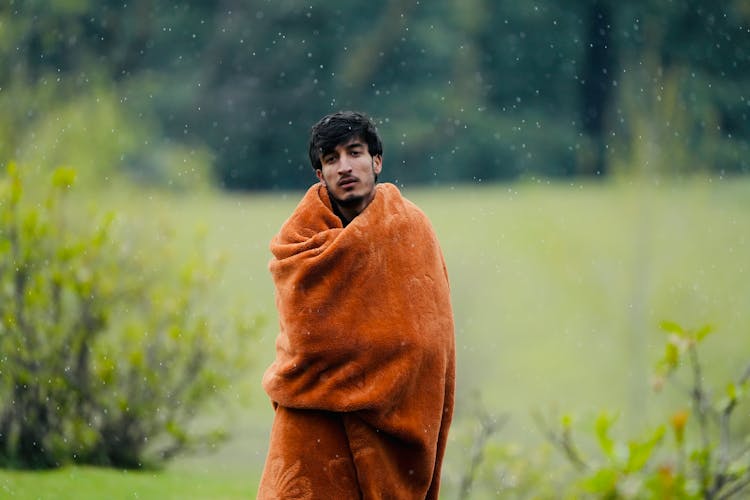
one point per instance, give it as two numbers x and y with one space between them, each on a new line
558 291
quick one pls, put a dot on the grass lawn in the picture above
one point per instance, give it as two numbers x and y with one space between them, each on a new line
558 291
75 483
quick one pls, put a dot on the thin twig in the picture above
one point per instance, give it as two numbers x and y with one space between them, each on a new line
699 403
723 459
745 375
563 441
488 425
738 487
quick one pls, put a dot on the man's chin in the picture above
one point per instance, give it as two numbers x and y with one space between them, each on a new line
350 200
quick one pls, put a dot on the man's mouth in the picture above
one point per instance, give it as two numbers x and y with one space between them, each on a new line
349 181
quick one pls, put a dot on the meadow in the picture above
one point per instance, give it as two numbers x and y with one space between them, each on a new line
558 291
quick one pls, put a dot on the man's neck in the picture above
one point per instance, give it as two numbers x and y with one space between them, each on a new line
339 213
348 213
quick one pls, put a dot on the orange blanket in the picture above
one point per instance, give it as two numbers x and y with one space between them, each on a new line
363 379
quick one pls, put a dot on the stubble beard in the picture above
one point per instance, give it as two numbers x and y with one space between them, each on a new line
352 201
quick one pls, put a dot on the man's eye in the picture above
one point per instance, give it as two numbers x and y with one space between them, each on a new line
356 153
329 159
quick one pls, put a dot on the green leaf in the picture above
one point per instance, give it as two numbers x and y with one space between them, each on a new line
732 394
701 457
640 452
671 355
176 431
732 391
63 177
11 169
602 425
602 482
703 332
672 327
566 421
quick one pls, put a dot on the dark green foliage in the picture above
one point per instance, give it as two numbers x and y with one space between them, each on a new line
462 91
107 348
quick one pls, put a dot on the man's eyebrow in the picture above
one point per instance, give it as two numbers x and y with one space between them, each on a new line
355 145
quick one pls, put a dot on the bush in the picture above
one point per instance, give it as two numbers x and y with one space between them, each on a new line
696 454
107 353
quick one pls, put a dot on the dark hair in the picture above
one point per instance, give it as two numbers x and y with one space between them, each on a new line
338 128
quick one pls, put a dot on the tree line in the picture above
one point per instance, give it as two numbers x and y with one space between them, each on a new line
462 90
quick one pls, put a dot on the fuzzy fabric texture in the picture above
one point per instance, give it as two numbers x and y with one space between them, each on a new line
364 375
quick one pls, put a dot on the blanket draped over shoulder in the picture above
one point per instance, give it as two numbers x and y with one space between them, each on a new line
363 379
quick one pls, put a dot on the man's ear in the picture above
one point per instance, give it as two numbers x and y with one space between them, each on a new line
319 175
377 164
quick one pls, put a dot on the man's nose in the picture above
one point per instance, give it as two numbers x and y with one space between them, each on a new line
345 164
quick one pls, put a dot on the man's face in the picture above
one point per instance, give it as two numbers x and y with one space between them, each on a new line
348 173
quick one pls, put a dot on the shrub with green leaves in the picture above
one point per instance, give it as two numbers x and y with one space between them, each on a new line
108 349
697 453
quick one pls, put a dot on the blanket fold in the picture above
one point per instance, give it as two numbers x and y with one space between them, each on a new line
363 378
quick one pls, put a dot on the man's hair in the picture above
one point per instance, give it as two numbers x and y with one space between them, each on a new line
339 128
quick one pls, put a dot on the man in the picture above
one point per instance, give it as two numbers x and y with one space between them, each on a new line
363 380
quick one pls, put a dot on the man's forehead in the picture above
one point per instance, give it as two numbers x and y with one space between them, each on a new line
352 142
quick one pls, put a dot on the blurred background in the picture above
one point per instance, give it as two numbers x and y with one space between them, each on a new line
464 91
585 164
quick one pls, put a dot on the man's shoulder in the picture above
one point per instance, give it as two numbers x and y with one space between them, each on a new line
394 195
400 204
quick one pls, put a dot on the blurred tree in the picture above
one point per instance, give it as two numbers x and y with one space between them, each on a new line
81 87
680 105
462 91
596 85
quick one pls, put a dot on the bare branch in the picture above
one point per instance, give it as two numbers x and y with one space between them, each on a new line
745 375
700 405
563 441
488 425
735 489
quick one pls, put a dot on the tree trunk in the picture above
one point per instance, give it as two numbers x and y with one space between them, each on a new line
596 88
